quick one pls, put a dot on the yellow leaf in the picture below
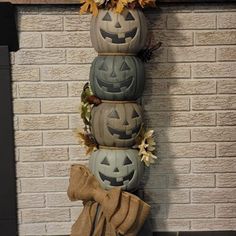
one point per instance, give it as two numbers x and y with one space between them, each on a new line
84 8
120 6
150 3
89 6
94 9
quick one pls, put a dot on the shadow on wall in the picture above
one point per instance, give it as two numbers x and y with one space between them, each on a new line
162 77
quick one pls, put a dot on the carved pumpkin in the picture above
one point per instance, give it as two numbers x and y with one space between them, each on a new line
117 168
116 124
112 32
117 77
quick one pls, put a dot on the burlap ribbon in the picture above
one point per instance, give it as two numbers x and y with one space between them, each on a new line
119 212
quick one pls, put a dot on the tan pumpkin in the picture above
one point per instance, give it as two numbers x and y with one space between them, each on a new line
116 124
123 33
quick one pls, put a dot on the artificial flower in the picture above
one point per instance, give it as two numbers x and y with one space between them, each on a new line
148 158
146 145
87 139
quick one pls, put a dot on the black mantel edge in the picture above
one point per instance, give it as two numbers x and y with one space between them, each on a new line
8 197
8 27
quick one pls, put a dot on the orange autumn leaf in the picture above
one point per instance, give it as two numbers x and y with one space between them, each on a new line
89 6
120 6
144 3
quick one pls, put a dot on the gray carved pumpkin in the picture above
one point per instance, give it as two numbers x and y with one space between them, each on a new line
117 168
112 32
117 77
116 124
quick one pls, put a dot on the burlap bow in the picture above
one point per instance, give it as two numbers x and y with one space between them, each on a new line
114 211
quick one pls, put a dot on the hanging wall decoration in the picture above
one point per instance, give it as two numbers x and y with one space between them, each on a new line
114 133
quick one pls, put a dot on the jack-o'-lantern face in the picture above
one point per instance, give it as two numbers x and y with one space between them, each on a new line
124 124
116 124
119 30
115 28
117 77
118 71
117 168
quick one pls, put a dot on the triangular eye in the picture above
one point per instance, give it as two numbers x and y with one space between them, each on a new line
135 114
129 17
127 161
114 115
124 67
103 67
107 17
105 161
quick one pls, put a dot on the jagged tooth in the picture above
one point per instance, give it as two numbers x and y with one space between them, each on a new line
108 39
127 40
119 179
121 35
116 85
123 89
104 88
128 132
107 182
116 136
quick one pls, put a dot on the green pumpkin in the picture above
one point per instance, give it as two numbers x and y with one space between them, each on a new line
124 33
117 77
117 168
116 124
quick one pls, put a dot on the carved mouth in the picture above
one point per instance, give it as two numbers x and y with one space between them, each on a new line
114 38
127 134
116 181
115 87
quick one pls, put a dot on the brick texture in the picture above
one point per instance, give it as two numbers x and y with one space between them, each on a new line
189 100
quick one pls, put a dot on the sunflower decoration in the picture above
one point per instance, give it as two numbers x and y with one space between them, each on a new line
92 6
146 145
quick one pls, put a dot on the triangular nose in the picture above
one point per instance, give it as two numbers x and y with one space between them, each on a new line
125 122
117 25
113 74
116 170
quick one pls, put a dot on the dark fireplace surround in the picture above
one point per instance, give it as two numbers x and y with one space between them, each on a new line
8 42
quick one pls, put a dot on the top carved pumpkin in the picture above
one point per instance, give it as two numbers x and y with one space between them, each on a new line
122 33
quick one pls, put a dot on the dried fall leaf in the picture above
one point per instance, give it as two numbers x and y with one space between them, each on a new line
89 6
144 3
86 139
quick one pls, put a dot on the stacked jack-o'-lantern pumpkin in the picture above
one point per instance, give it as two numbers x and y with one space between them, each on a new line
117 78
114 125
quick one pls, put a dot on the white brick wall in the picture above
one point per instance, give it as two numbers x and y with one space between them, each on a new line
189 100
